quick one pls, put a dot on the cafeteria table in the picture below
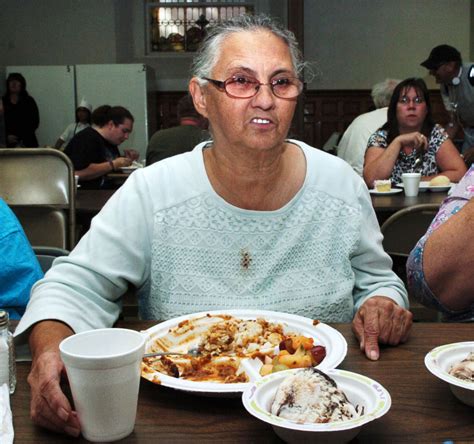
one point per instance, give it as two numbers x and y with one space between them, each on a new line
423 407
91 201
386 205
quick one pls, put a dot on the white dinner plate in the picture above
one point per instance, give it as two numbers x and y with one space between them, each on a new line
381 193
425 186
323 334
440 360
130 169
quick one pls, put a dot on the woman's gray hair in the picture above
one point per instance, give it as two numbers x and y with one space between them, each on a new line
382 92
209 51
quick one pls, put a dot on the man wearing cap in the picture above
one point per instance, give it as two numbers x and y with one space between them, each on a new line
457 89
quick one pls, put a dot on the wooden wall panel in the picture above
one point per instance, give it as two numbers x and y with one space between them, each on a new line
324 112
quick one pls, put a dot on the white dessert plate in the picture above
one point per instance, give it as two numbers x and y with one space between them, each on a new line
440 360
425 186
129 169
323 334
360 390
381 193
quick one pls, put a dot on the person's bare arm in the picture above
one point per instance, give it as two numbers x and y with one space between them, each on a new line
94 170
49 406
59 143
450 162
448 260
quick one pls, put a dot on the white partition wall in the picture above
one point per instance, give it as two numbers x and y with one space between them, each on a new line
59 89
52 87
118 84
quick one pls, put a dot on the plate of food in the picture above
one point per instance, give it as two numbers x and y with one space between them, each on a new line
384 187
308 405
235 348
437 184
391 191
129 169
454 364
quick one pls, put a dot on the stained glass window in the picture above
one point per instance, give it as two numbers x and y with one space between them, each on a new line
180 25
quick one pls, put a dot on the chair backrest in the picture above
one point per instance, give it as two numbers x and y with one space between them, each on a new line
46 256
403 229
38 185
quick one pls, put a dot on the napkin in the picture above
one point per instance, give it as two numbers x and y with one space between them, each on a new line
6 423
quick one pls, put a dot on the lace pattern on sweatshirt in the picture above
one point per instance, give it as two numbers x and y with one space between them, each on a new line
206 255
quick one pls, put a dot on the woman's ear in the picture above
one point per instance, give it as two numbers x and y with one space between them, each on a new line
198 94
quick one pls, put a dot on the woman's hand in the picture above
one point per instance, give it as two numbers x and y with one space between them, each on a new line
380 320
49 406
415 140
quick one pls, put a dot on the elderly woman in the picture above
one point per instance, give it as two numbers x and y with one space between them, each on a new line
439 269
408 134
249 220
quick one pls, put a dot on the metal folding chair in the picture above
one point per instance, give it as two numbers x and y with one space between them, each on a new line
38 185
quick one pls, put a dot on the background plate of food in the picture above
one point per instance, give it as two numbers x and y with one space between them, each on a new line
237 347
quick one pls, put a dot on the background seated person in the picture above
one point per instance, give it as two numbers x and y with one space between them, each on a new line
354 140
94 151
393 149
439 269
21 113
249 220
19 268
179 139
83 121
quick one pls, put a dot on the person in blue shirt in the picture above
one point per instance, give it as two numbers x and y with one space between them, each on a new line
19 268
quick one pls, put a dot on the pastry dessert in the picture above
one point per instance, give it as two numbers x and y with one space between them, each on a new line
311 396
383 186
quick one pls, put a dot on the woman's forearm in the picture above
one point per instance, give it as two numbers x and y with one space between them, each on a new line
379 165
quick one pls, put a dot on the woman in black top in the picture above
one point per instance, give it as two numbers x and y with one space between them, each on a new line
21 113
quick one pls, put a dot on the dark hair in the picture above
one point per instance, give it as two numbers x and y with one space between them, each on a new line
105 113
88 114
186 108
19 77
391 126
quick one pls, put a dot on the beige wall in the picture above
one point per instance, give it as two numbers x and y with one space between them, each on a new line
354 42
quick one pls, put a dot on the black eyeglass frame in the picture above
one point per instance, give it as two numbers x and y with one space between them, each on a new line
222 85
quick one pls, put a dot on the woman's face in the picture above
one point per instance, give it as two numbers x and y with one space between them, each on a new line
411 111
14 86
261 122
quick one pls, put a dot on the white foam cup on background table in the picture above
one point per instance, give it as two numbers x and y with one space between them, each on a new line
103 368
411 183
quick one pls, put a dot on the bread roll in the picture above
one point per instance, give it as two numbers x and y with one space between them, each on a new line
440 181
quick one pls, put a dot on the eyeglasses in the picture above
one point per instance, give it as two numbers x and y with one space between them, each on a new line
242 87
404 100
